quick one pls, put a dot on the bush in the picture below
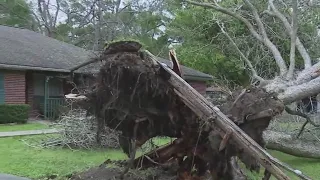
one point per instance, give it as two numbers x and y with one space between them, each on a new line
14 113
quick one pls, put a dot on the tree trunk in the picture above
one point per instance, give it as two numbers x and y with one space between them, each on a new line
297 147
290 91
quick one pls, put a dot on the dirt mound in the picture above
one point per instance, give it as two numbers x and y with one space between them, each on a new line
112 173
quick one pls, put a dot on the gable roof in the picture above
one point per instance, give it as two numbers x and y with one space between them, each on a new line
22 49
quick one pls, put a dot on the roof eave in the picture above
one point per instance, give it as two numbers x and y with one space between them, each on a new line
197 78
19 67
185 77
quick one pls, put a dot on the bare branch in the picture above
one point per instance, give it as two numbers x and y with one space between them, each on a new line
247 61
257 18
293 39
43 15
235 15
57 13
38 21
279 60
302 50
276 54
46 11
118 3
297 113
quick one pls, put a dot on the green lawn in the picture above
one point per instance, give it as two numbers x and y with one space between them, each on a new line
19 159
310 167
22 127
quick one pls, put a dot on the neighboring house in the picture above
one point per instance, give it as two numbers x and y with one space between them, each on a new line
34 70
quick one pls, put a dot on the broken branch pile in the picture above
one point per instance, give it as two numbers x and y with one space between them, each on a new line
143 98
79 131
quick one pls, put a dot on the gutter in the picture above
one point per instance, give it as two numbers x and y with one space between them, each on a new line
197 78
19 67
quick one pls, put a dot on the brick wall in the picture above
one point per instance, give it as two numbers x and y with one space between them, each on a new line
199 86
15 87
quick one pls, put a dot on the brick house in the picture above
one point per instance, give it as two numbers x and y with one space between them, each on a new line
34 70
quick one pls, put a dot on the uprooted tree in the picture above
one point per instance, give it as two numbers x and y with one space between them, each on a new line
291 84
143 98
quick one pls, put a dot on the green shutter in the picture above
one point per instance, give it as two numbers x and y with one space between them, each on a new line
2 96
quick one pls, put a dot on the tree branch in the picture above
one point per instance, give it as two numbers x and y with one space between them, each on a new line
230 13
297 92
302 50
276 54
247 61
57 13
257 18
43 16
279 60
308 74
308 119
38 21
293 39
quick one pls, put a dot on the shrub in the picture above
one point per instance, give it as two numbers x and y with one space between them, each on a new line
14 113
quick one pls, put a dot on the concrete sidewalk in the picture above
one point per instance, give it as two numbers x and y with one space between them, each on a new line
11 177
29 132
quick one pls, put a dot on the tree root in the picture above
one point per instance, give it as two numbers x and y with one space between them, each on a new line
132 151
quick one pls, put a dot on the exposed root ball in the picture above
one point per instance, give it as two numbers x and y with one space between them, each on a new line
132 95
131 90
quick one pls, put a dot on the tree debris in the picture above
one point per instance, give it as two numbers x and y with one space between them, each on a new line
142 98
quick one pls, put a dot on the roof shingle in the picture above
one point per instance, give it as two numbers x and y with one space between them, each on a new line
25 49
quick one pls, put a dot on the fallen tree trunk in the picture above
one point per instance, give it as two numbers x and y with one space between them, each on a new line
215 118
291 145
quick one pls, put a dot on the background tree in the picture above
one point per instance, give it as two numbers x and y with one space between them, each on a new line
272 45
204 47
16 13
92 23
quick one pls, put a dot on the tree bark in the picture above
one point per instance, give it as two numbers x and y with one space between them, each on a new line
288 144
295 93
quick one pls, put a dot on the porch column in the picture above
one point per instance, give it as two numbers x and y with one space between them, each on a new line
46 96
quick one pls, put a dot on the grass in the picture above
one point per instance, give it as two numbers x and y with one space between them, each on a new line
19 159
310 167
22 160
22 127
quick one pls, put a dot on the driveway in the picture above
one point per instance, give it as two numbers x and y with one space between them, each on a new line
11 177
